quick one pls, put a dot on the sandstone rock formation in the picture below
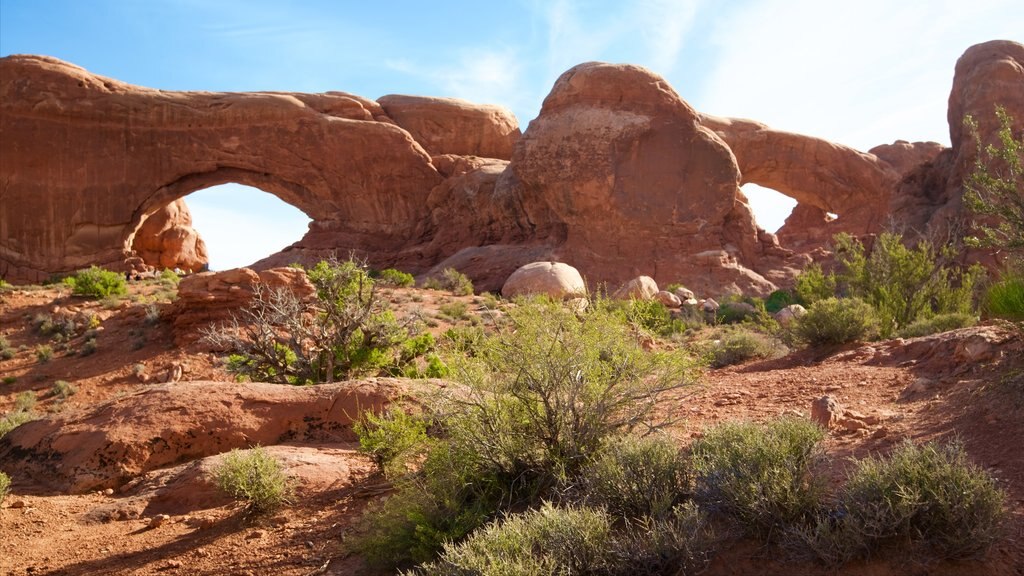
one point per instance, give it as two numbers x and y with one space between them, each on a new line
212 297
554 279
169 423
639 288
452 126
166 239
618 176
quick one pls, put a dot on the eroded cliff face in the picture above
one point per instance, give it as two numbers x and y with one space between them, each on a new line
617 176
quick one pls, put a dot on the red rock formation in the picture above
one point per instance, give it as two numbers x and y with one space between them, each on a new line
166 239
77 452
620 177
453 126
85 158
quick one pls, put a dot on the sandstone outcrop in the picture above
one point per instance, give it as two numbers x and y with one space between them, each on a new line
453 126
166 424
166 239
210 298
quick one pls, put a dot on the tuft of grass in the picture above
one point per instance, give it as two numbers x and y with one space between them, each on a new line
760 475
5 486
44 353
256 477
452 280
1005 298
25 401
454 310
63 390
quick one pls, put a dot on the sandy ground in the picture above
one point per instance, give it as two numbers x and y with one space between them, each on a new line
900 398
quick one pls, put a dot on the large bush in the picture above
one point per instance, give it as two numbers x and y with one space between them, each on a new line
996 186
761 476
538 402
903 284
96 282
929 499
835 321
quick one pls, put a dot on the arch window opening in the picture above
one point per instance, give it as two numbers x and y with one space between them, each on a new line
770 207
242 225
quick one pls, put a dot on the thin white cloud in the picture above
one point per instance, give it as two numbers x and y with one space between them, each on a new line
862 73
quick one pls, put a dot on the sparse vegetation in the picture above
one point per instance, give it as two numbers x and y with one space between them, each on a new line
636 478
938 323
44 353
23 412
5 485
928 498
95 282
541 398
255 477
62 389
760 476
6 351
452 280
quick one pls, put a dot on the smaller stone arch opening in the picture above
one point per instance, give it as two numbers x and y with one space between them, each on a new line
771 208
220 227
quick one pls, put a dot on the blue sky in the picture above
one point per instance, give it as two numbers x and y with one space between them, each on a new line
860 73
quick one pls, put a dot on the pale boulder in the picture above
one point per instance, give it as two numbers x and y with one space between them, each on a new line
555 279
639 288
669 299
789 314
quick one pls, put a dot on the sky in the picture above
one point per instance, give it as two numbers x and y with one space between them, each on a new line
859 73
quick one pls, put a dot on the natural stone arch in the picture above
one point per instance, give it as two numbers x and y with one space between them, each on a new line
85 158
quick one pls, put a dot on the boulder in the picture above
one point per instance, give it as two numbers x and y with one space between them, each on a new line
639 288
789 313
826 412
684 293
555 279
668 299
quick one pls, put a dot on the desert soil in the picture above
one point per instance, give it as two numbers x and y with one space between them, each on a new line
920 397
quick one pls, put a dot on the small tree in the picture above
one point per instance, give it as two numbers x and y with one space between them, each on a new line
996 187
346 330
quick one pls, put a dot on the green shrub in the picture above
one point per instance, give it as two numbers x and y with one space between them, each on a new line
392 439
16 418
25 401
636 478
836 321
169 277
778 300
682 543
737 344
397 278
44 353
929 499
938 324
538 401
760 475
96 282
5 485
6 351
1005 298
996 186
452 280
63 389
548 541
454 310
88 347
903 284
256 477
813 284
650 315
9 379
